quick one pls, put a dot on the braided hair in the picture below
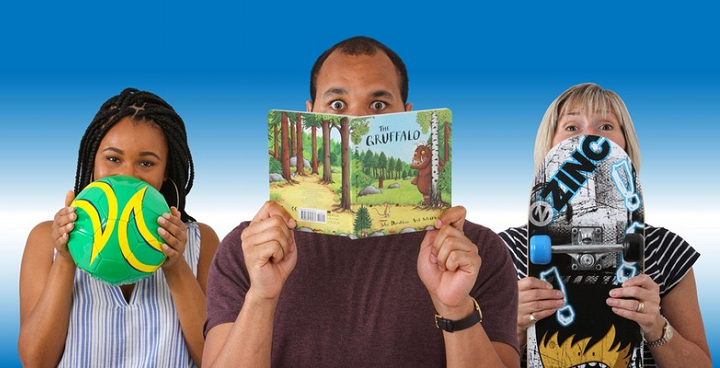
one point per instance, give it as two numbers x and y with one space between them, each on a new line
142 105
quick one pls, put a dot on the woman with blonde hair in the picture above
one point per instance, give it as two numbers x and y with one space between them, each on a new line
670 314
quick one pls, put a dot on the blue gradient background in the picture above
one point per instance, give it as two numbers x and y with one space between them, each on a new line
224 65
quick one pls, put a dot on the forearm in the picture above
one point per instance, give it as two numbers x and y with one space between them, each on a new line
44 329
248 343
680 352
470 347
189 302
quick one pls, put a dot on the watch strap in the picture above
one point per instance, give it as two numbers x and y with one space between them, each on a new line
459 325
666 335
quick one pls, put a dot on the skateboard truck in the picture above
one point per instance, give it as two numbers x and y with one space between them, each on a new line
586 248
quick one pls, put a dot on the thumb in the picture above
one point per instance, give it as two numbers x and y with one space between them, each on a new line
270 209
69 197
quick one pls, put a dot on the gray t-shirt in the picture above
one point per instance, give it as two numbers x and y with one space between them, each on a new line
361 303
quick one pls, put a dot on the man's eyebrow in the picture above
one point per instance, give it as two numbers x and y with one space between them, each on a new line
383 93
335 91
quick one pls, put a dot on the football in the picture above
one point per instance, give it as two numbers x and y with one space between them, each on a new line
115 238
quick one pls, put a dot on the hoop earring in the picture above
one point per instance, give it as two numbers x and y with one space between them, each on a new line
177 194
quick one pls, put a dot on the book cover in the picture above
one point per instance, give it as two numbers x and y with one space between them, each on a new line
361 176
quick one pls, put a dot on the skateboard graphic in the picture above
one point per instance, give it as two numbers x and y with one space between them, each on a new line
586 237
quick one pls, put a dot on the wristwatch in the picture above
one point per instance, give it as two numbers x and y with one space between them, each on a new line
667 335
467 322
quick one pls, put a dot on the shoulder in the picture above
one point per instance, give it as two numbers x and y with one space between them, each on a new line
208 241
514 237
39 250
39 237
208 236
668 257
229 249
490 246
477 232
663 243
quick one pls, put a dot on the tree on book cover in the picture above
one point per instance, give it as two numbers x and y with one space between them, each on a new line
361 176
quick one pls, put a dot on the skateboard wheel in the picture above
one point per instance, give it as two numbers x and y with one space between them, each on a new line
540 249
633 247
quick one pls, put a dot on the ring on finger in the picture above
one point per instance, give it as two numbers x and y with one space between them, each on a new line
641 307
532 319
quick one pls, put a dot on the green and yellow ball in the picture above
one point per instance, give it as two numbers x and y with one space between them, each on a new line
115 238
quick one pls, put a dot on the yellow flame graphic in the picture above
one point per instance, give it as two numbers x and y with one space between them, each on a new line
567 354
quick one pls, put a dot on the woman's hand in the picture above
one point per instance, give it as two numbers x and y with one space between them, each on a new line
536 300
639 300
174 232
63 224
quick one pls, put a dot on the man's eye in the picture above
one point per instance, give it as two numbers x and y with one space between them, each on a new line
337 105
378 105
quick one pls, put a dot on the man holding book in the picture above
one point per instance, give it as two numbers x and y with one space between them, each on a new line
279 297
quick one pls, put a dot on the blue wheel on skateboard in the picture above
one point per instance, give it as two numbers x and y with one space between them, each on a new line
540 249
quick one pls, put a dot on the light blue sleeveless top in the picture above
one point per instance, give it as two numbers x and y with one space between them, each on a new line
107 331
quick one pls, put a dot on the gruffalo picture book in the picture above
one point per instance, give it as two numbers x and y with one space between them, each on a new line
361 176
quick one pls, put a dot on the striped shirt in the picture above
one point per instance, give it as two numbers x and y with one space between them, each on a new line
105 330
668 258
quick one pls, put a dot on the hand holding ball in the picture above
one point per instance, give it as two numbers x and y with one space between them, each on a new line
115 238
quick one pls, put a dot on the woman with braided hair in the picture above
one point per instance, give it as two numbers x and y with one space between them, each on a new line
68 318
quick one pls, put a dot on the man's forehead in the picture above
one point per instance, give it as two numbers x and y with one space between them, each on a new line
341 72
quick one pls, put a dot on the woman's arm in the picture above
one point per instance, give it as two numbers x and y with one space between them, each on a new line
688 346
187 290
46 287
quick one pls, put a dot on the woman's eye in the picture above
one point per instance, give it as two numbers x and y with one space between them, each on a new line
378 105
606 127
147 164
337 105
113 159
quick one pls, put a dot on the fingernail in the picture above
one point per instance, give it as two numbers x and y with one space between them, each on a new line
433 258
161 220
166 215
613 293
162 231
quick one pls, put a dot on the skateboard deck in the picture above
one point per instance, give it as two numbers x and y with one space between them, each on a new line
586 237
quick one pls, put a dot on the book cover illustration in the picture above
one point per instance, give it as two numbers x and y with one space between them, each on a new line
361 176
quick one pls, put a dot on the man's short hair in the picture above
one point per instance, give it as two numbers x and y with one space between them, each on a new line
361 45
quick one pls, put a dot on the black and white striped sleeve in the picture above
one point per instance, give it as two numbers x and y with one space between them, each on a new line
515 239
668 257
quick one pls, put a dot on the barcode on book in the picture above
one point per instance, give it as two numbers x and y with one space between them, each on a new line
312 215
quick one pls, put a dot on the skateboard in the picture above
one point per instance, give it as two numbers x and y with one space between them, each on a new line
586 237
